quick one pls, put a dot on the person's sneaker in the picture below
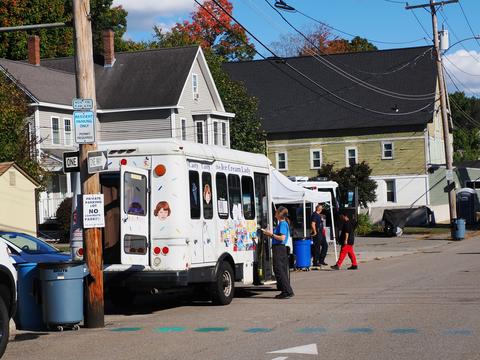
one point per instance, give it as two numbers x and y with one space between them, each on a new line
353 267
284 296
324 263
315 267
334 267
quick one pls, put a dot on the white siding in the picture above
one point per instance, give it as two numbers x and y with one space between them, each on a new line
45 124
409 191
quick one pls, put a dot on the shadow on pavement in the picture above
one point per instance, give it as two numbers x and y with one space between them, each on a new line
29 336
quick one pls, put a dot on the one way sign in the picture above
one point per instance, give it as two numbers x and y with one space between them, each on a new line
97 161
71 162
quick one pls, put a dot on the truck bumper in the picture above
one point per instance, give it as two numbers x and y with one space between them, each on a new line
146 279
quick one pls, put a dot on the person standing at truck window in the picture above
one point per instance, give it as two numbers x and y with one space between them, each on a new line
347 240
280 260
320 245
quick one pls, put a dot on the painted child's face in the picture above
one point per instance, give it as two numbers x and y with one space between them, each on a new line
208 197
162 214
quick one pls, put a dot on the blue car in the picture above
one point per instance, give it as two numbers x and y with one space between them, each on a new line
26 248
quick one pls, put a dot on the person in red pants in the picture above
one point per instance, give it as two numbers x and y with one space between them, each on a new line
347 240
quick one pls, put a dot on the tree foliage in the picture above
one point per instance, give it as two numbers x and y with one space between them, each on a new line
348 178
320 40
466 133
55 42
15 141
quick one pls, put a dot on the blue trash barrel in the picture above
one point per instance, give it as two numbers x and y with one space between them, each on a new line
458 229
62 292
303 253
29 308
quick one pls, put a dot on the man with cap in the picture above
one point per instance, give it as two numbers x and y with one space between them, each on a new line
280 260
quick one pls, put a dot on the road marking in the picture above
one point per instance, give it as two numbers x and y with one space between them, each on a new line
169 329
402 331
127 329
211 329
364 330
462 332
310 349
258 330
312 330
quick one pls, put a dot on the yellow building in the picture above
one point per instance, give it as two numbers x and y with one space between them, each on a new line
17 200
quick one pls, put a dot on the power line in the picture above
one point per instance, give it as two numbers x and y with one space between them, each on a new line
349 76
468 23
461 83
459 69
421 25
305 76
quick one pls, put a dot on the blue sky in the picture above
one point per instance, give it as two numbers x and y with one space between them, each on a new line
383 20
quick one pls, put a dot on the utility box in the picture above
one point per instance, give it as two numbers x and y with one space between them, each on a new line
467 201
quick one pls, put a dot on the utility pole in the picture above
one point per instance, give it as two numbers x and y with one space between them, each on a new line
452 201
90 184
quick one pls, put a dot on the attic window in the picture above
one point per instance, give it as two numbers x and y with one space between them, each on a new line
195 86
13 180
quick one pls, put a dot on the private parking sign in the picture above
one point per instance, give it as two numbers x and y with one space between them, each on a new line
93 214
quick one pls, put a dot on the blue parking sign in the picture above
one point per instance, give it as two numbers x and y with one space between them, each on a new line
84 122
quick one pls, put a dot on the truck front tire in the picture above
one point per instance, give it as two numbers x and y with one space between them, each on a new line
223 288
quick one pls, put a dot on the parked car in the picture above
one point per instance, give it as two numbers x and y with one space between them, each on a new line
8 295
27 248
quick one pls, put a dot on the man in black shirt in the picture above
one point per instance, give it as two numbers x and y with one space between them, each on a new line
319 240
347 239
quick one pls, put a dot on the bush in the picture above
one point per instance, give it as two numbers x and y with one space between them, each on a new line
63 215
364 225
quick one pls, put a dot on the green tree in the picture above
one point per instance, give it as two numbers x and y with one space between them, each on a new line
348 178
15 141
55 42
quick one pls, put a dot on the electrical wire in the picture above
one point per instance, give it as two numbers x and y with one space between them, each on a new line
468 23
429 36
461 83
459 69
305 76
349 76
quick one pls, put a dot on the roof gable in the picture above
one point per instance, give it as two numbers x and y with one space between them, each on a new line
5 166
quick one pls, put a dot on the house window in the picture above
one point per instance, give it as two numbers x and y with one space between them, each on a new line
55 131
67 129
391 193
224 134
387 150
12 179
351 156
282 161
199 132
216 133
184 128
316 159
195 86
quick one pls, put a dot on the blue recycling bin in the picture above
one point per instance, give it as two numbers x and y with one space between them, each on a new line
29 308
62 293
303 253
458 229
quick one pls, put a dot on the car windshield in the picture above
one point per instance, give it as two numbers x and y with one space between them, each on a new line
28 244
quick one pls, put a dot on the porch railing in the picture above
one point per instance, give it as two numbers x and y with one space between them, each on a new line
48 205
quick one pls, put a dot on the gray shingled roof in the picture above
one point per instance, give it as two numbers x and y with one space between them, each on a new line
150 78
289 103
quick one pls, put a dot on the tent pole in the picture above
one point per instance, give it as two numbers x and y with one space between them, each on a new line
333 230
304 220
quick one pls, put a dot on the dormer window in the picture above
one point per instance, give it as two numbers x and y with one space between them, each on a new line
195 86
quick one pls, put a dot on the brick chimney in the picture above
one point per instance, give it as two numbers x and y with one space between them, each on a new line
34 50
108 48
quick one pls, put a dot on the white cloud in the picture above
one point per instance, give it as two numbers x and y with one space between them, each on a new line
464 66
157 7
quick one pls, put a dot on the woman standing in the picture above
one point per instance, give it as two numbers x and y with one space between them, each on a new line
280 260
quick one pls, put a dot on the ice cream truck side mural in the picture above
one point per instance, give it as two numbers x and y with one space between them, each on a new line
181 213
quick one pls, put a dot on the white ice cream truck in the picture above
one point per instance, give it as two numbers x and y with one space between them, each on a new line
180 213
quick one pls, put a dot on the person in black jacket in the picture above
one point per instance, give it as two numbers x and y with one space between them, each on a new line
347 240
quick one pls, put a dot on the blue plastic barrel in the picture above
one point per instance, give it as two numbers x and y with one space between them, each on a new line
303 253
62 292
458 229
29 309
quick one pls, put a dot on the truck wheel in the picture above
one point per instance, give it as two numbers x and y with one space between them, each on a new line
4 326
223 288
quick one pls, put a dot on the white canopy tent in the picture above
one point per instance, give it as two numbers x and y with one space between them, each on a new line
285 191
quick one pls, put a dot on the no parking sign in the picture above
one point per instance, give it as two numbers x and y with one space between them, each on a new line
93 215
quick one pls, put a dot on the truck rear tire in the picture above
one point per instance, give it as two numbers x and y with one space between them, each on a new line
222 289
4 326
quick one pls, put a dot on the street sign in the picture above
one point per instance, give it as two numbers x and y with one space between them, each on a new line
97 161
93 214
84 122
71 162
82 104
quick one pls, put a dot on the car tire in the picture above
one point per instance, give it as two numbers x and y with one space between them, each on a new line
222 289
4 326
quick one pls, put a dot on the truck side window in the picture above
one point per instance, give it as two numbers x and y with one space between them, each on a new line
135 194
234 194
222 195
261 199
207 195
248 198
194 190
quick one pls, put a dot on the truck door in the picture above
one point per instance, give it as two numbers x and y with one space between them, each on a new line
134 224
208 226
196 222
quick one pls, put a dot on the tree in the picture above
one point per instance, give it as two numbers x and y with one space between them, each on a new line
55 42
15 141
222 35
348 178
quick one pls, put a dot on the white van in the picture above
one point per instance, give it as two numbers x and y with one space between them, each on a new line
180 213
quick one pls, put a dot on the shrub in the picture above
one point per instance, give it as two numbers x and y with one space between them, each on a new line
63 215
364 225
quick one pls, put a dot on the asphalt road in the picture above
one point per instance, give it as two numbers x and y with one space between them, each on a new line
424 305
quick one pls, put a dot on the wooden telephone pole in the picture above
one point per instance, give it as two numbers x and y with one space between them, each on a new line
90 184
452 201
